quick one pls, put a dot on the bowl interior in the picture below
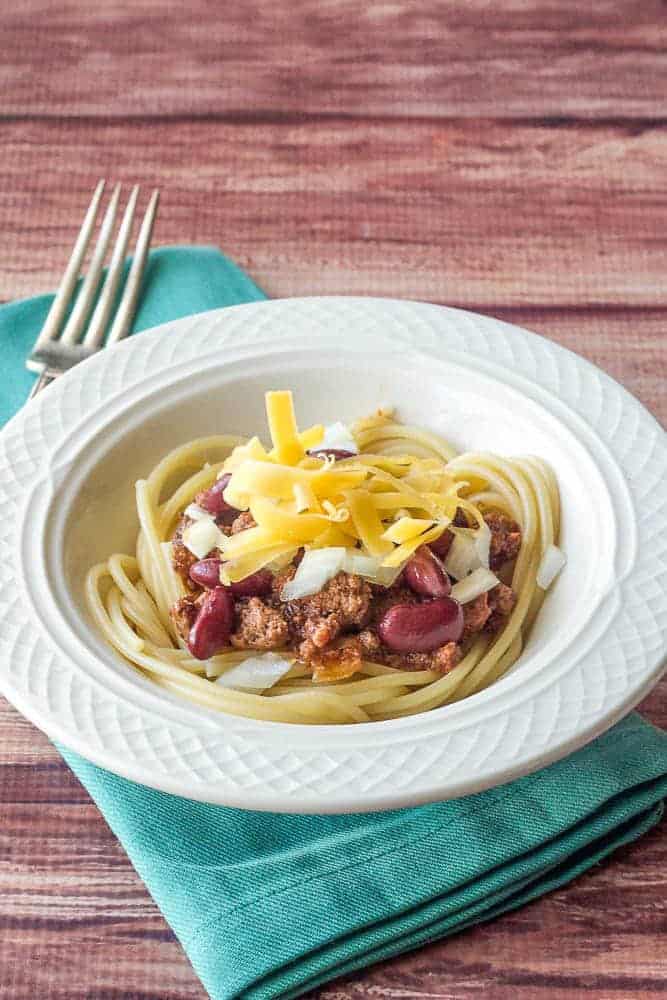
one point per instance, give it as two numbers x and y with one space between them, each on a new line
92 512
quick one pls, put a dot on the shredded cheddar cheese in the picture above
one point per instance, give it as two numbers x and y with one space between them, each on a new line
406 528
282 427
378 505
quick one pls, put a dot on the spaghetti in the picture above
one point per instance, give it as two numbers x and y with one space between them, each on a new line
371 513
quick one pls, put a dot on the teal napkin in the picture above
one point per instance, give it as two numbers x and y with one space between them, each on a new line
274 905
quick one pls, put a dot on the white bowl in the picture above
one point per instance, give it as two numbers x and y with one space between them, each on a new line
68 465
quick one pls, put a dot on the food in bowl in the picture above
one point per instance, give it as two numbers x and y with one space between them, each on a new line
346 574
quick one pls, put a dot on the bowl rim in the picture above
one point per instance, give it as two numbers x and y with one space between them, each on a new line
318 771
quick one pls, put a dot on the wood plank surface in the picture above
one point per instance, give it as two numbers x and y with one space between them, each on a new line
472 213
508 157
517 58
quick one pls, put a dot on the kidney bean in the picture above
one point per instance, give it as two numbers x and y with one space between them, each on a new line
206 573
255 585
214 502
213 624
425 574
442 545
419 628
338 453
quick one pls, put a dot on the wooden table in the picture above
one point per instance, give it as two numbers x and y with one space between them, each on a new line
507 157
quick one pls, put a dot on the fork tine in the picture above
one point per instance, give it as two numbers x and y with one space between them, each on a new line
69 278
128 303
84 300
100 318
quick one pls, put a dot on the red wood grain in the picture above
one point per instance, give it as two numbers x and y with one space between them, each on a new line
508 157
471 213
517 58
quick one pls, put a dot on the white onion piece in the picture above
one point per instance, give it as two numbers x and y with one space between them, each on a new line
371 568
550 566
257 673
202 536
479 582
317 567
197 513
361 565
339 437
483 544
463 557
386 575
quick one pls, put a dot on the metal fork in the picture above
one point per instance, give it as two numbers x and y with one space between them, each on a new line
56 349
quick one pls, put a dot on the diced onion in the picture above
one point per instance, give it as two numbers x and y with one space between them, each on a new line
202 536
463 557
371 568
339 438
317 567
479 582
387 575
483 544
361 565
257 673
550 566
196 513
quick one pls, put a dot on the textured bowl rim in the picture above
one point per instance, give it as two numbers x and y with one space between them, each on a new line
484 741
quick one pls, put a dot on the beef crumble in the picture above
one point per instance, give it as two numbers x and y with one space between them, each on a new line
489 611
315 622
183 614
181 558
441 660
340 661
258 625
244 521
505 538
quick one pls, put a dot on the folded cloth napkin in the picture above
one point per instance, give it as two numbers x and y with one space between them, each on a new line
274 905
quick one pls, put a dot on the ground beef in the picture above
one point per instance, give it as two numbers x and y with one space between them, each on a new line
280 579
441 660
505 538
475 615
489 611
371 647
244 521
501 601
258 625
183 614
337 663
321 631
343 603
